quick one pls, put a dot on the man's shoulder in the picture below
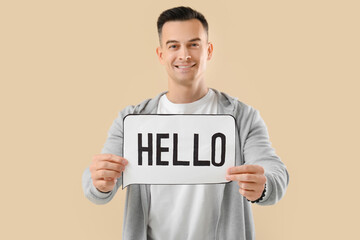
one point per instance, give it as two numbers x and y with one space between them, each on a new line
231 102
146 106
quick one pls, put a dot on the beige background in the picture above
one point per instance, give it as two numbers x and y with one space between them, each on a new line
68 67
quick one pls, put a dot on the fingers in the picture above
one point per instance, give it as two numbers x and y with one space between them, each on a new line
247 177
248 186
252 191
111 158
105 186
246 169
108 162
104 165
250 178
105 180
250 195
105 169
105 175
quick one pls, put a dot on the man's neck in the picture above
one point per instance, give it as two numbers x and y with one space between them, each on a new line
186 94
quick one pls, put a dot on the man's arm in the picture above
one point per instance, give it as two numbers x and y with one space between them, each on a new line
103 178
261 164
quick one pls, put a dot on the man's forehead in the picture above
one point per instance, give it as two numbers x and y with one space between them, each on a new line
183 31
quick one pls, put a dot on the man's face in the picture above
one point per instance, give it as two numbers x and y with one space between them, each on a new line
184 51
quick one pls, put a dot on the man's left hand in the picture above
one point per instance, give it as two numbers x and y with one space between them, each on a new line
251 180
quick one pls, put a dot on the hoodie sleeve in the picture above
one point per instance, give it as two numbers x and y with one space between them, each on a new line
257 150
113 145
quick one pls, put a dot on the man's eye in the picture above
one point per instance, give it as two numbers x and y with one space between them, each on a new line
194 44
172 46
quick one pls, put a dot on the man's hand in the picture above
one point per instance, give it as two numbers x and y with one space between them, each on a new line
250 178
105 169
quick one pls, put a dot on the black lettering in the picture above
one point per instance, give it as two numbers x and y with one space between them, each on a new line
213 147
160 149
177 162
198 162
142 149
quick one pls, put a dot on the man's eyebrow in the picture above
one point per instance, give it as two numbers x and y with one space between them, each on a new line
174 41
195 39
171 41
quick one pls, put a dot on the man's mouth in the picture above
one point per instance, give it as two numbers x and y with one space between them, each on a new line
185 66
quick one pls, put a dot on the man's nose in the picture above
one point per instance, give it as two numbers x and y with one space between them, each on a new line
184 54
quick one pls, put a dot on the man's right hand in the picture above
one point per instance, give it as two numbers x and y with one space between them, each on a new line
105 169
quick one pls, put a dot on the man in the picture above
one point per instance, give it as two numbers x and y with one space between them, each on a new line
213 211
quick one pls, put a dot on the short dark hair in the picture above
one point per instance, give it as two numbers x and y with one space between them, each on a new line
180 14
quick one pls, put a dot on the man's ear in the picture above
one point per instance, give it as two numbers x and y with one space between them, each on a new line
160 54
210 50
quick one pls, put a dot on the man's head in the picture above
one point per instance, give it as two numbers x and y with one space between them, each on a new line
184 48
180 14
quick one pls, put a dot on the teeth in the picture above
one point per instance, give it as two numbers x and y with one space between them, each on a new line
184 66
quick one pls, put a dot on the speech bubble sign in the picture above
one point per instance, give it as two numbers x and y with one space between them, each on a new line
178 148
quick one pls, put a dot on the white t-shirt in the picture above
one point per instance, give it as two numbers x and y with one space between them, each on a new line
184 212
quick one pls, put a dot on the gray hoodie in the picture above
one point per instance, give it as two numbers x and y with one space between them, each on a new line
235 215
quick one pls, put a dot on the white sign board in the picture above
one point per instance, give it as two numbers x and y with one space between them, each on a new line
178 149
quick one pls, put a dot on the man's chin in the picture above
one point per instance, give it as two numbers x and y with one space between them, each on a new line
185 81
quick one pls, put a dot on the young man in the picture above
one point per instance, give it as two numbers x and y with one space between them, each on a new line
213 211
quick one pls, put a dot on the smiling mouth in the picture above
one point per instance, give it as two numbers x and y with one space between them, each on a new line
185 67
